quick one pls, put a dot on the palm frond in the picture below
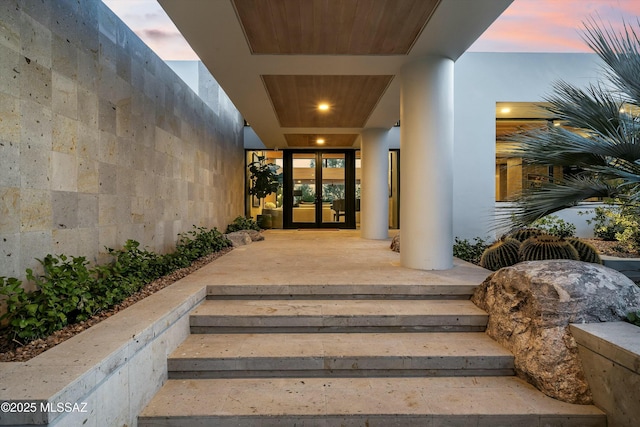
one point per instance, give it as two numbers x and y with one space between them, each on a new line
629 176
557 146
602 135
596 153
552 197
621 53
631 197
594 109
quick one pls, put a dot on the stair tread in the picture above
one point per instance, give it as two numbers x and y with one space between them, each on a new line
226 316
333 308
331 345
292 398
341 352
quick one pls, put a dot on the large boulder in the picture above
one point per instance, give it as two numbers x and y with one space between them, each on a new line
395 243
256 236
530 306
244 237
239 238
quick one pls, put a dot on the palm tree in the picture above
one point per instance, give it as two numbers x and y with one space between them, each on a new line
600 133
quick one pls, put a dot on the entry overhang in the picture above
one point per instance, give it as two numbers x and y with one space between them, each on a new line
223 34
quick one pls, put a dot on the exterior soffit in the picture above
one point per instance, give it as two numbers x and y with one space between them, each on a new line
267 88
333 27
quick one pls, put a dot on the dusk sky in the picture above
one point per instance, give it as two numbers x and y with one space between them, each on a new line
526 26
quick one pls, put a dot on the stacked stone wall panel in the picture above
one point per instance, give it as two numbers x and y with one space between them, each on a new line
101 142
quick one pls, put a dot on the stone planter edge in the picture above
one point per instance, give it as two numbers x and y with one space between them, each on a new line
610 354
109 372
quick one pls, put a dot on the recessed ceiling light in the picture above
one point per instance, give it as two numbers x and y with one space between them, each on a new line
320 141
323 106
505 110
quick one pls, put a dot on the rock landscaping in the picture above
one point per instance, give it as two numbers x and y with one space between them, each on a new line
244 237
530 307
395 243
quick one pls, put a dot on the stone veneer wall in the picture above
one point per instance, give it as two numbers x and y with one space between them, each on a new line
100 141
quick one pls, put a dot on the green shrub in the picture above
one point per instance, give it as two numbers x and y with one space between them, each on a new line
606 223
110 287
242 223
137 264
619 223
21 306
467 251
200 242
68 291
554 225
626 225
63 295
634 317
603 225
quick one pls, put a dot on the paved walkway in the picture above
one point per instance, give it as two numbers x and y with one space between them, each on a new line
332 258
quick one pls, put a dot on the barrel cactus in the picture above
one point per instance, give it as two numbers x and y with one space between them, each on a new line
587 252
546 246
523 234
502 253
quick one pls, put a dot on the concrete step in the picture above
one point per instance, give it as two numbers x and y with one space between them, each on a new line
435 401
445 289
221 316
330 354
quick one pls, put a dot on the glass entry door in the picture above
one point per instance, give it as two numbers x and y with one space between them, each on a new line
319 189
333 180
305 196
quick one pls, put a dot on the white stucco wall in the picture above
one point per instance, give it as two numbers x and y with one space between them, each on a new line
481 80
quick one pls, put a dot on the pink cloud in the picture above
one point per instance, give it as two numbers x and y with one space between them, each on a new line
552 25
149 21
526 26
157 34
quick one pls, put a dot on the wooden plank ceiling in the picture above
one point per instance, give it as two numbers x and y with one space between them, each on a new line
333 27
329 27
350 99
305 140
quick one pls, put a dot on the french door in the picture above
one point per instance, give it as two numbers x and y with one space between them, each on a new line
319 189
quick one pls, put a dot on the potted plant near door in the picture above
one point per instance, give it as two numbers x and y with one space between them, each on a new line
265 179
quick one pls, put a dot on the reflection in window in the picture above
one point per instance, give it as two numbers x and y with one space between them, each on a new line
512 174
272 204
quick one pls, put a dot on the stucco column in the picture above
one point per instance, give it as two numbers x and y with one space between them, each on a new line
426 164
374 188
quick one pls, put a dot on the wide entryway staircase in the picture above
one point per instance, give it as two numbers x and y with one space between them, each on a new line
348 355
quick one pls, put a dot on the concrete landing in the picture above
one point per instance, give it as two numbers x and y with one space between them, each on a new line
329 263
